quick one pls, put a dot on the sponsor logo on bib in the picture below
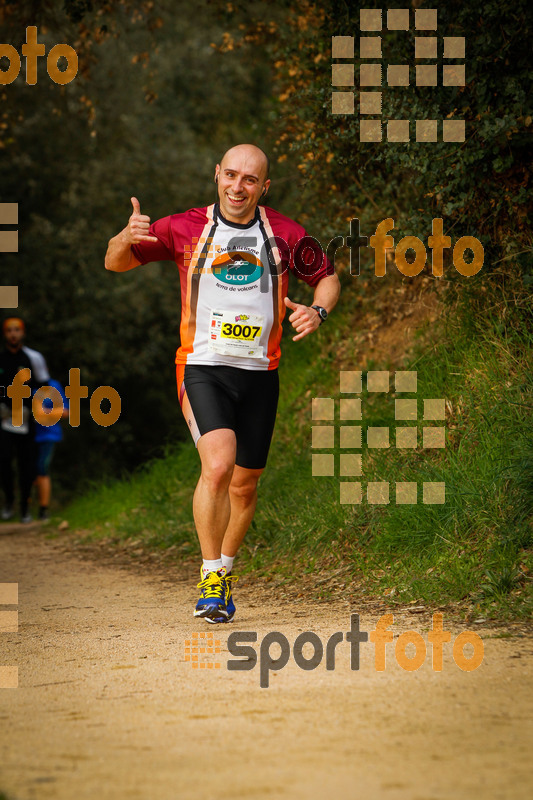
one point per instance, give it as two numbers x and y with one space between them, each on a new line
237 269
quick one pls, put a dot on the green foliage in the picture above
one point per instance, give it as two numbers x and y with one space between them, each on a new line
481 187
160 94
475 550
148 114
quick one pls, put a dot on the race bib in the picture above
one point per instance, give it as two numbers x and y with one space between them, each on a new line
232 333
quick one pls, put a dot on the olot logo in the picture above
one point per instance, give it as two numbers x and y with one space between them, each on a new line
237 269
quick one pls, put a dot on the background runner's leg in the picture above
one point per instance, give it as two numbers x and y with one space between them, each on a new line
243 499
211 504
26 468
7 448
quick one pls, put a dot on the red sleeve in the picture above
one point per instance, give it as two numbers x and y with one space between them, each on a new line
308 260
162 250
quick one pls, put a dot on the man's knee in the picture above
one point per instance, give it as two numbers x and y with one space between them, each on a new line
217 472
217 454
244 487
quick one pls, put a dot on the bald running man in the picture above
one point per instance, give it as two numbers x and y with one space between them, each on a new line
234 258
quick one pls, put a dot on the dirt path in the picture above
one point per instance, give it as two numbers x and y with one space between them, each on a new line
108 707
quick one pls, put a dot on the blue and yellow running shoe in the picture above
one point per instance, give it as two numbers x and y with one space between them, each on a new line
230 605
214 588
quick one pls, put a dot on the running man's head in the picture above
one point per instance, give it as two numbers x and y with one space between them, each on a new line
242 178
13 329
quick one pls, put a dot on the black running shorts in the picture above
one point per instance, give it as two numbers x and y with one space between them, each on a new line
243 400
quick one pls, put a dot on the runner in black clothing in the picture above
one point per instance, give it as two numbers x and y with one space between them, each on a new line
16 441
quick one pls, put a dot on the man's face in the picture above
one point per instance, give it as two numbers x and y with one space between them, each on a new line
241 181
13 334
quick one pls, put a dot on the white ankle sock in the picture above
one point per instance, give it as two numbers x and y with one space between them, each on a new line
211 566
227 561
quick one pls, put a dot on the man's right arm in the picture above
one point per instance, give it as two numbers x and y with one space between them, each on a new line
119 257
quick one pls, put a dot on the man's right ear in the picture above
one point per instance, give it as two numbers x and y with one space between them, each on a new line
216 178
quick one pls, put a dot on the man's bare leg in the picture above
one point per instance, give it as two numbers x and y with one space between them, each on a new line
211 502
44 489
243 500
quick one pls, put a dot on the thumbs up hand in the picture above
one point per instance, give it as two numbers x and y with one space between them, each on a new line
303 319
138 227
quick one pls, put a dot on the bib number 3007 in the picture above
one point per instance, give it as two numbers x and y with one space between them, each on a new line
233 332
237 331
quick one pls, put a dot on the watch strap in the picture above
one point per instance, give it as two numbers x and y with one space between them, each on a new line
322 313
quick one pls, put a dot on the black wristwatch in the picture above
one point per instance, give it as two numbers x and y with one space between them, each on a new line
322 313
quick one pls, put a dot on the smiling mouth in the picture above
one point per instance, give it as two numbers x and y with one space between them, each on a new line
236 200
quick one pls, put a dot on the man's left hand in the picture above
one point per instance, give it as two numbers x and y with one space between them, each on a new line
303 319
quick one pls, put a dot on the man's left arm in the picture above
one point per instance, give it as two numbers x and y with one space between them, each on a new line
305 319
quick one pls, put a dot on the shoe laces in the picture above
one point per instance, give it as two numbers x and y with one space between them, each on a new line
229 579
213 585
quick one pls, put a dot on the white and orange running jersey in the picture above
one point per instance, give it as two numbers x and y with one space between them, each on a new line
233 280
